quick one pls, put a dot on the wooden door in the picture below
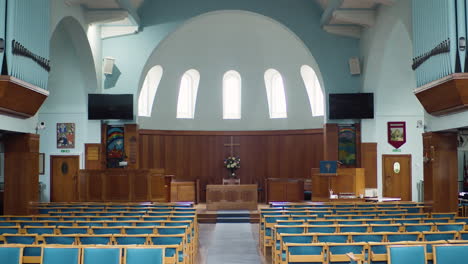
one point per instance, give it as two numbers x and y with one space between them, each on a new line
64 173
397 176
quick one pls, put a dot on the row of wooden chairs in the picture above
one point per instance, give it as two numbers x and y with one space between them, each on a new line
344 204
74 211
351 210
98 218
177 248
14 254
110 204
447 231
376 252
268 221
284 239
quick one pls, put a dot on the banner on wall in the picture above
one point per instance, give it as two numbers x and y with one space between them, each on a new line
396 132
115 146
347 144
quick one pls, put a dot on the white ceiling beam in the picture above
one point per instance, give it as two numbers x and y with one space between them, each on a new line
117 31
347 31
359 17
133 14
105 16
328 12
385 2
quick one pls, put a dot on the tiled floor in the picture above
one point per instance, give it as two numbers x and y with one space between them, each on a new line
229 243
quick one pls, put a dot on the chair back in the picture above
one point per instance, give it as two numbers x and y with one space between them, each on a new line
60 255
407 254
101 255
11 254
144 255
453 254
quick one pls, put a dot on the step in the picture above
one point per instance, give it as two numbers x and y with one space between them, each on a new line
233 220
233 215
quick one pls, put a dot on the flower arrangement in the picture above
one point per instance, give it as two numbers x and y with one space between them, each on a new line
232 164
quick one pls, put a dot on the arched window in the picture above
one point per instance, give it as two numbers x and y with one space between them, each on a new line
232 95
314 90
148 91
275 93
188 94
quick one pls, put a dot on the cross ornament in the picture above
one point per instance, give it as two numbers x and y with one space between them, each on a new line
232 145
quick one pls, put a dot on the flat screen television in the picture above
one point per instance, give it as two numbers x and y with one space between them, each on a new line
110 106
351 106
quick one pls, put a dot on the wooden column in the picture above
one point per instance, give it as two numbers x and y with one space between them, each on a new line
330 142
369 163
440 171
21 173
131 145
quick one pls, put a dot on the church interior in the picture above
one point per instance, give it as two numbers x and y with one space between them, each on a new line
264 131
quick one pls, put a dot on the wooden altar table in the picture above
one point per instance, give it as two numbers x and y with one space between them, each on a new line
231 197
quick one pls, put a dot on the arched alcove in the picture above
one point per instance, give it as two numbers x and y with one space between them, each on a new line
216 42
71 78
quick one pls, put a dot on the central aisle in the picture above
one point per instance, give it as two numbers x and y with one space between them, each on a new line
229 243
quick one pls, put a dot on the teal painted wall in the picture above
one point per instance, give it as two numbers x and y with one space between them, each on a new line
386 50
161 18
69 84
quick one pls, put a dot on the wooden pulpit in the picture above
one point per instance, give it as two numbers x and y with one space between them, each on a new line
346 180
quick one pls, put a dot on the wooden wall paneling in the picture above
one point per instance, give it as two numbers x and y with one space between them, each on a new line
93 157
139 186
21 173
20 98
192 155
117 185
131 138
358 145
103 146
369 163
330 142
441 171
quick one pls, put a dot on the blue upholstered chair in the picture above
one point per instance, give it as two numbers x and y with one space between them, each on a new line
369 237
408 236
353 228
450 226
434 236
414 254
337 253
130 239
11 254
144 256
453 254
101 255
332 238
40 230
385 228
59 239
94 239
60 255
106 230
426 227
306 253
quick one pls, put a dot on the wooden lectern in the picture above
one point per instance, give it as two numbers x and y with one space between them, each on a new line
346 180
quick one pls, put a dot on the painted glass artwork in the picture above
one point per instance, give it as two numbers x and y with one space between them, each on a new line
65 135
347 145
115 146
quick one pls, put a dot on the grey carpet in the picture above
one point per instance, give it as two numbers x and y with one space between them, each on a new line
233 243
